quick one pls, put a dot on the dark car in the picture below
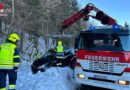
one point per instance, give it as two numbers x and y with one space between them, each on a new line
49 60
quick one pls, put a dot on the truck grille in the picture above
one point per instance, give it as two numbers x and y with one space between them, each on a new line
101 66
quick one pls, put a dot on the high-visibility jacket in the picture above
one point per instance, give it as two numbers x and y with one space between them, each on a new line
9 56
59 52
37 55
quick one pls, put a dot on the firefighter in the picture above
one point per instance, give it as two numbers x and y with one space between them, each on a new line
37 55
59 53
9 62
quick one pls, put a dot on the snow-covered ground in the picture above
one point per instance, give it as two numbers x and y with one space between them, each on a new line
53 79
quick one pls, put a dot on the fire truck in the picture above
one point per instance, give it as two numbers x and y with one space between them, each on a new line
103 52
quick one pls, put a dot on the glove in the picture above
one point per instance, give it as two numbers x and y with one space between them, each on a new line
15 69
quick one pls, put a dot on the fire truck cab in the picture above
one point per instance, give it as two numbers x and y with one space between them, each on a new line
103 57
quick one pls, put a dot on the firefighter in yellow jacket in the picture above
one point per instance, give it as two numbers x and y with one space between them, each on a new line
59 53
9 62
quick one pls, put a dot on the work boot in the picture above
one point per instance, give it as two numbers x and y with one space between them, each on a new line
59 64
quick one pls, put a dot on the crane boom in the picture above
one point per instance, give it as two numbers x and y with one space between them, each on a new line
84 13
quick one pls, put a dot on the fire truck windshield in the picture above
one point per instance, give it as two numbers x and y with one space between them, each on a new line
105 42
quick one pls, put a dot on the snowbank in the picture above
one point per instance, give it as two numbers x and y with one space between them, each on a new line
53 79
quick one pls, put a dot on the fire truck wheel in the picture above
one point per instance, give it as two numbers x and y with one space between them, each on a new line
86 87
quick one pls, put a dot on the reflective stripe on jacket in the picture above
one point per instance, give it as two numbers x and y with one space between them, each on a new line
60 52
7 56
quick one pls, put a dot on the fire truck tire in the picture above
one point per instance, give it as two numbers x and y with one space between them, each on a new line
85 87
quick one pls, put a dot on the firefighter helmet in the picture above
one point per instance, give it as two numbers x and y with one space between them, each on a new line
13 37
59 43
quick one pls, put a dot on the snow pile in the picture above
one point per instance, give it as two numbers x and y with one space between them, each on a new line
53 79
25 64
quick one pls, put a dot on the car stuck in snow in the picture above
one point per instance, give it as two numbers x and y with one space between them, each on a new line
49 60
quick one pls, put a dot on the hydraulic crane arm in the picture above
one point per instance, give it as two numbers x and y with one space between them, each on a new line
84 13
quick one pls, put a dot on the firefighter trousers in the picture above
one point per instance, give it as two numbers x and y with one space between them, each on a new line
59 61
12 75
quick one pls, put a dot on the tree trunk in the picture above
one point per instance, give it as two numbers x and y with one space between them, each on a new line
0 26
21 41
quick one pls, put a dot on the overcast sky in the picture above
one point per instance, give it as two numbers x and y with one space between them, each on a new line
118 9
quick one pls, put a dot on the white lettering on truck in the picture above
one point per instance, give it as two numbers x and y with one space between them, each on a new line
102 58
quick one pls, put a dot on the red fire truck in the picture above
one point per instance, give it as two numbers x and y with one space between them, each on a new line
103 58
103 52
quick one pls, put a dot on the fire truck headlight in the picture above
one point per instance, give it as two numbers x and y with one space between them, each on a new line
123 82
81 76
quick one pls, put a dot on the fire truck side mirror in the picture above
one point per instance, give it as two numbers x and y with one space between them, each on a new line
76 43
76 50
